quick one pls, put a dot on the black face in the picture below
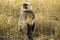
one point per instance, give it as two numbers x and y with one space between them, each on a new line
25 6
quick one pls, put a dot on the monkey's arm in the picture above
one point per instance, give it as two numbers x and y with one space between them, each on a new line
30 21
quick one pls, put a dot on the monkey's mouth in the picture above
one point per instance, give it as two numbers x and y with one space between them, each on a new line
25 7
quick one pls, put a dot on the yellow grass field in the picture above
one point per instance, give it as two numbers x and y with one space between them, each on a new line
47 14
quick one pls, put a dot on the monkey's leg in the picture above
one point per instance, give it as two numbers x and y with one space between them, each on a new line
29 32
33 26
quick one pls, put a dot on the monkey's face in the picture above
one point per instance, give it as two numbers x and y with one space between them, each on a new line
26 6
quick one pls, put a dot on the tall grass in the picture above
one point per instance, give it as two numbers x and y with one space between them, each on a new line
47 13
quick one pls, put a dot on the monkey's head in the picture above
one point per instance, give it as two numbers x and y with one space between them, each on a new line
26 6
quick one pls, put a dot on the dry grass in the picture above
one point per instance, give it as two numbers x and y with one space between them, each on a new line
47 14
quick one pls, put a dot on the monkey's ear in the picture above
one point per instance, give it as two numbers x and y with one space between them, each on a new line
31 4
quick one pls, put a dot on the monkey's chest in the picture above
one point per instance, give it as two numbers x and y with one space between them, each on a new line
28 18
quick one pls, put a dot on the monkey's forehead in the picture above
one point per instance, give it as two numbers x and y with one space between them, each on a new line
28 3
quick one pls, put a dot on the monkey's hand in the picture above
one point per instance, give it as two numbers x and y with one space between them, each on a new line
29 20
